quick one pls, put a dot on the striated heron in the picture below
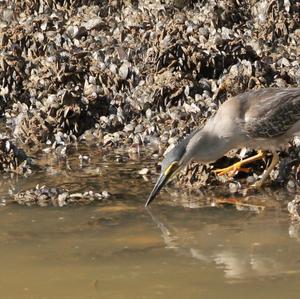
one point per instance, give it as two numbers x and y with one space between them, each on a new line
262 119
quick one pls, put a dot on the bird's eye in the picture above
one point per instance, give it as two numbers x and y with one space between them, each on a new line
158 167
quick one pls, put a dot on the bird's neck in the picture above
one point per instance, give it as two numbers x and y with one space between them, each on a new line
208 147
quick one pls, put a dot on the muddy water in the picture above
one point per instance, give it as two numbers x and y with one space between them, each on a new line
118 249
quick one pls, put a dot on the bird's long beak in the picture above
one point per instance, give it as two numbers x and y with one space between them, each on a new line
163 179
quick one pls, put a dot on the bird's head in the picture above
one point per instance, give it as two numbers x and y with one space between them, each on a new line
176 159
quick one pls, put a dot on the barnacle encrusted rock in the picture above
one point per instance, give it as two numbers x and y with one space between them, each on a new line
294 209
133 72
12 158
57 197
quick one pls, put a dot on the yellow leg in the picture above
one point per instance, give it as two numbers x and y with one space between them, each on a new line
274 161
237 166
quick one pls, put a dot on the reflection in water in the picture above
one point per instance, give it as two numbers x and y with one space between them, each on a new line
241 251
294 231
117 250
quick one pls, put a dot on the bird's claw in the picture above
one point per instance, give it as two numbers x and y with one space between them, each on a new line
231 170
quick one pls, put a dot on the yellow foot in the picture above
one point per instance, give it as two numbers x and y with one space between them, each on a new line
238 166
232 169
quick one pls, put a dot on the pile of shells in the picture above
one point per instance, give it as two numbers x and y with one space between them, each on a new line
57 119
119 72
57 197
12 158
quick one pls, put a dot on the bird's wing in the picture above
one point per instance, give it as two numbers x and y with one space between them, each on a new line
269 112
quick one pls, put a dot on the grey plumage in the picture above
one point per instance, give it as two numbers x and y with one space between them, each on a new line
262 119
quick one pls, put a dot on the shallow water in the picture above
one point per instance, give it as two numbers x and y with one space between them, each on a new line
119 249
